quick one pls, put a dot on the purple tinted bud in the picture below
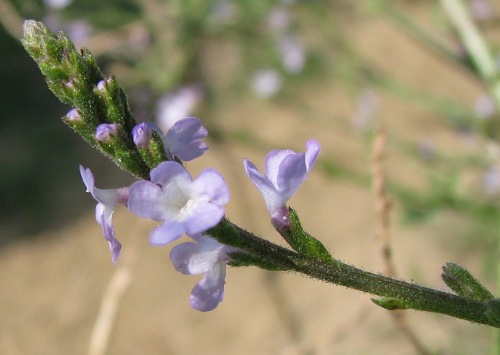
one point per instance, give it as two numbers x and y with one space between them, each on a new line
101 85
142 133
69 84
105 131
73 116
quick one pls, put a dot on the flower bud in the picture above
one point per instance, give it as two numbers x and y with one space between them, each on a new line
141 134
101 85
73 116
105 131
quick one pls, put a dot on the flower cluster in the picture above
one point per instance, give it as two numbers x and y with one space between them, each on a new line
184 205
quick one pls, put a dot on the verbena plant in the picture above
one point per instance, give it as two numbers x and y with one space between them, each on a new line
166 192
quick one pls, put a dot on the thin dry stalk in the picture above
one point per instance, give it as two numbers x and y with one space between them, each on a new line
110 303
383 209
382 202
10 19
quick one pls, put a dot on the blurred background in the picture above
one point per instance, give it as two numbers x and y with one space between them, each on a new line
260 75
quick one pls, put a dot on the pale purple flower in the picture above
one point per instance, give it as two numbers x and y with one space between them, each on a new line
183 139
181 203
285 171
107 201
208 257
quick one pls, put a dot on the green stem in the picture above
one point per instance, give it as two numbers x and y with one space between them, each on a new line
495 349
408 295
474 44
422 36
413 296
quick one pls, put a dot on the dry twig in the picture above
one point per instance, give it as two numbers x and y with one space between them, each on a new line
103 326
383 208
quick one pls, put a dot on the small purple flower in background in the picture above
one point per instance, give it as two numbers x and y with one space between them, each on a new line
57 4
107 201
484 106
183 139
491 180
224 12
293 55
266 83
285 171
208 257
279 19
367 106
177 105
481 10
181 203
426 149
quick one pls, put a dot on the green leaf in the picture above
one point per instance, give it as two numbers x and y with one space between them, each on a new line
390 303
302 242
464 284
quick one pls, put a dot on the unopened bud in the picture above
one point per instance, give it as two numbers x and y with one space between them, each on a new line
73 116
105 131
102 85
141 134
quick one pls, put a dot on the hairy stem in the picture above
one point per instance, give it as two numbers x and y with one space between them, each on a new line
408 295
